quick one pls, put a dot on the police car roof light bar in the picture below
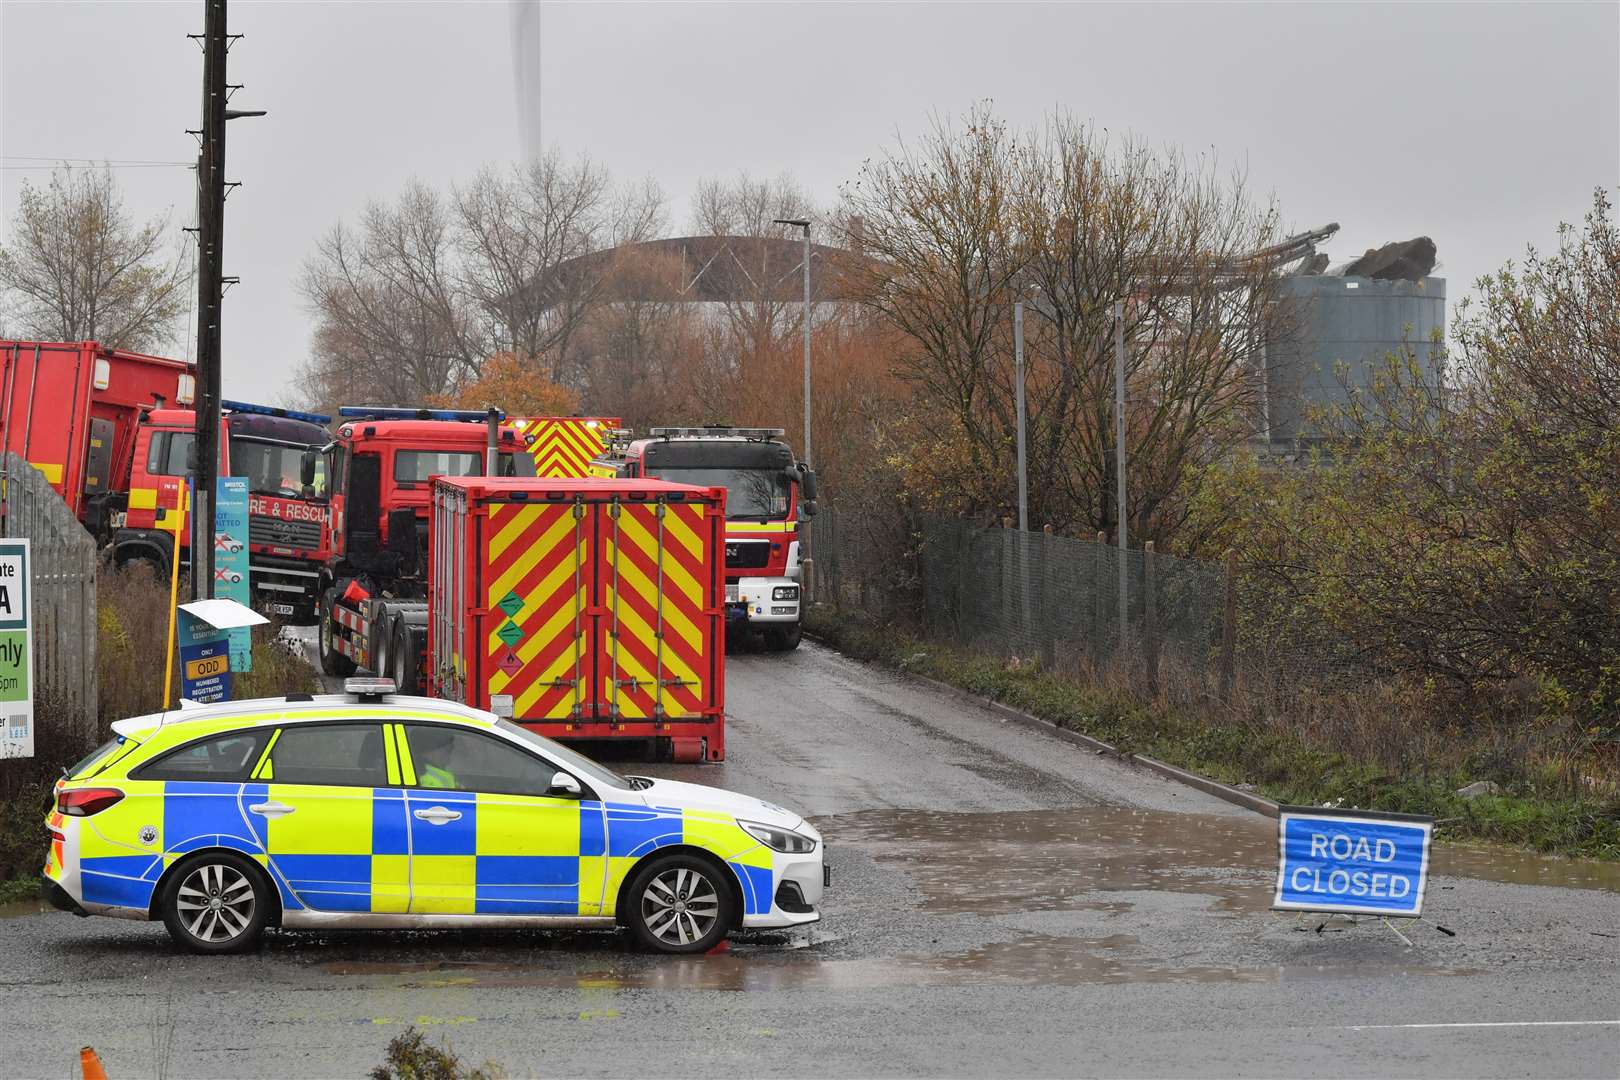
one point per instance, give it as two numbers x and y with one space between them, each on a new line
717 433
370 412
369 689
272 410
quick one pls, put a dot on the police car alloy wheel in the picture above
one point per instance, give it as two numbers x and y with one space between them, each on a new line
215 903
679 905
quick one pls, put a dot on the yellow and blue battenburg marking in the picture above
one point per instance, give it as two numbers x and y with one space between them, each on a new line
365 850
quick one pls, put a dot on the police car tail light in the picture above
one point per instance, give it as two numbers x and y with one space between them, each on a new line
783 840
82 802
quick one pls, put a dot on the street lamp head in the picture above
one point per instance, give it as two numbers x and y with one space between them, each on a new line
800 222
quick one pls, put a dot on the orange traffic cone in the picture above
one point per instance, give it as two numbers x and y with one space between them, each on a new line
356 594
90 1065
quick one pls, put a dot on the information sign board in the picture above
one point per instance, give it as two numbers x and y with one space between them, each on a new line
16 650
205 661
1354 862
231 580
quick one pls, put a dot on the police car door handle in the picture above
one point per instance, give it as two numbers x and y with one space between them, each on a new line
272 809
438 815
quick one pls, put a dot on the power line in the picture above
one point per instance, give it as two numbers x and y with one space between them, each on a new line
93 161
102 165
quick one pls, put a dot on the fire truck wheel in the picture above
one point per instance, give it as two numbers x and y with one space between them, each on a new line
382 653
783 640
404 664
332 661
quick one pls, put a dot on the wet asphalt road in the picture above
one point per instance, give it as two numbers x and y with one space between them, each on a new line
1003 903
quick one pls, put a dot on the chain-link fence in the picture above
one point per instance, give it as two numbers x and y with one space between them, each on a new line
1190 628
64 588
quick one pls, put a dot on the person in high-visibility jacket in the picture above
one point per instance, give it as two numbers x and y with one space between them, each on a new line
434 748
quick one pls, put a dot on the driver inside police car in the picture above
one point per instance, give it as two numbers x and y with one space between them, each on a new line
433 747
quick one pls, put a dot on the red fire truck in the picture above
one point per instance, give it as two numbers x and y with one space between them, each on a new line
587 610
380 465
769 497
274 448
104 427
73 410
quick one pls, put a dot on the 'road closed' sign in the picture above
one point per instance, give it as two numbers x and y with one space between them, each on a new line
1351 861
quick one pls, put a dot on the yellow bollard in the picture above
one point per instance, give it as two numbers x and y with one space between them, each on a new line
174 596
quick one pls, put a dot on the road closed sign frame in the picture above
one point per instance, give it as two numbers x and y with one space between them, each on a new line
1352 862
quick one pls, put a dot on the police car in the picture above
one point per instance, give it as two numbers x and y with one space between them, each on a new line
369 809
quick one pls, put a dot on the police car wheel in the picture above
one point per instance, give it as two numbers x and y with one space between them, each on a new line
679 904
216 903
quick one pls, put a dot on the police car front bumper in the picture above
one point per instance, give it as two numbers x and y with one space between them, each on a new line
755 601
800 880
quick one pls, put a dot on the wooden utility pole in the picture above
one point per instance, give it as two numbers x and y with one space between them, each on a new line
211 282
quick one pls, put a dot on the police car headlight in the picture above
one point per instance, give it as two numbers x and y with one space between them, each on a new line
783 840
785 592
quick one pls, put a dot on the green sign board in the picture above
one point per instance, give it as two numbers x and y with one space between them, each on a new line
16 651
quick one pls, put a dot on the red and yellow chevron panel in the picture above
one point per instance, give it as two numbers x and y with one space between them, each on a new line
538 569
655 589
563 446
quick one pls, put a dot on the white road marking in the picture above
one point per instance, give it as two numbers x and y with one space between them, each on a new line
1487 1024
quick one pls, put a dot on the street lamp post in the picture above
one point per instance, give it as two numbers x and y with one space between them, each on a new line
804 540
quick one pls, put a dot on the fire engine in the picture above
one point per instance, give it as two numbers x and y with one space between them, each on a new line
287 512
381 464
768 498
103 426
72 410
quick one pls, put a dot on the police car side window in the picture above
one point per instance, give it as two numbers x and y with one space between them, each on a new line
343 755
461 760
222 758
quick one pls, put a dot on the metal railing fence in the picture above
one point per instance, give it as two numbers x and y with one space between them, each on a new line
65 562
1190 628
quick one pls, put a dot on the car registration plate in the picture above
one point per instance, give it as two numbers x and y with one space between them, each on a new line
282 609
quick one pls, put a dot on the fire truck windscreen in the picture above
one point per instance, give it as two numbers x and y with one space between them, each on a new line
417 466
273 468
761 494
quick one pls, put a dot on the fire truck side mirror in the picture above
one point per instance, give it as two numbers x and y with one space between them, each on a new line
807 509
306 468
805 478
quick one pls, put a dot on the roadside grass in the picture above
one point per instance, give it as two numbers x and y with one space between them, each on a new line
1280 759
132 628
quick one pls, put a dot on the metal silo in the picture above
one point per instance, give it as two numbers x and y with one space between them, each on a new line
1335 331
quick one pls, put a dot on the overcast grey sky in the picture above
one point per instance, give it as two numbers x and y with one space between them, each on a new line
1480 125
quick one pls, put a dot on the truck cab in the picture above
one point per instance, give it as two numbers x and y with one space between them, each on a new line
288 539
74 409
382 464
769 497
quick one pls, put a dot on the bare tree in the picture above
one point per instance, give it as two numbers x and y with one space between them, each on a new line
79 268
391 321
525 238
412 301
970 220
762 312
1102 220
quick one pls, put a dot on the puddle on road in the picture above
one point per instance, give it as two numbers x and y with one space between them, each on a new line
1525 868
1033 860
994 863
19 908
1051 883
